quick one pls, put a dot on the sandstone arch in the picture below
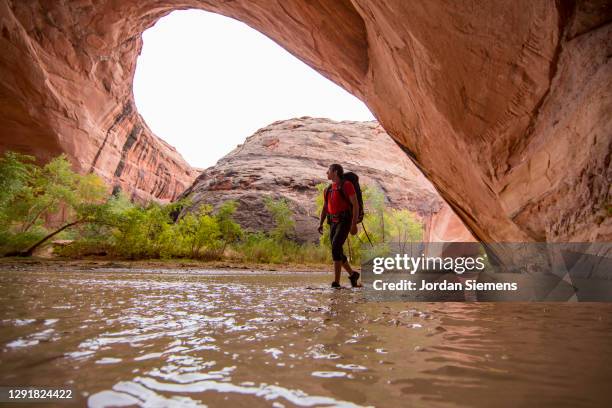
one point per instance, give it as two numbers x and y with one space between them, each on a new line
505 106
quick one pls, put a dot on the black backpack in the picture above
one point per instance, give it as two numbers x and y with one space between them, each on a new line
354 179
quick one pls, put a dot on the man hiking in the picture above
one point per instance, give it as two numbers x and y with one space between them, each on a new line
341 209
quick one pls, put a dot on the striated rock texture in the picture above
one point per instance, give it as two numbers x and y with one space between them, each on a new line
504 105
287 159
62 92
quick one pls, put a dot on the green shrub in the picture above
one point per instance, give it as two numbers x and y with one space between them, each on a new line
84 247
260 247
284 224
98 224
31 194
198 231
230 231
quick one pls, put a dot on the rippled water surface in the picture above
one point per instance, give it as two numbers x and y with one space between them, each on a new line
250 339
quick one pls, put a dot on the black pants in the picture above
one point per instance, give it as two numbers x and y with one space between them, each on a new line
337 235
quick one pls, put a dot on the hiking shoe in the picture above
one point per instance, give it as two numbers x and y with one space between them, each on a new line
336 285
354 278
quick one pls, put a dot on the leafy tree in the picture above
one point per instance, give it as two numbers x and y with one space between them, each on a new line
230 231
199 230
15 174
144 232
283 218
404 227
36 193
375 221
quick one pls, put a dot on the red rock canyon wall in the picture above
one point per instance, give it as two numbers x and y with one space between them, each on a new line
504 105
289 158
66 90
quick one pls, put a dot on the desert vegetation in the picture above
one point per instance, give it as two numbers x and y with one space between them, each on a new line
42 205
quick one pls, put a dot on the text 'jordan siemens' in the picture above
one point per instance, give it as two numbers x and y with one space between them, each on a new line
459 265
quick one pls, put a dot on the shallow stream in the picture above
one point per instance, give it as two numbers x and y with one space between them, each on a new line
247 339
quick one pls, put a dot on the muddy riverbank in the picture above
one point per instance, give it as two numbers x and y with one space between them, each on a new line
67 264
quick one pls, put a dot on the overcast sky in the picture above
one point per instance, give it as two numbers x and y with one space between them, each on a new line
205 82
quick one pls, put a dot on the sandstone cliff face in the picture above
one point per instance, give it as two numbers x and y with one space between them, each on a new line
287 159
61 96
504 105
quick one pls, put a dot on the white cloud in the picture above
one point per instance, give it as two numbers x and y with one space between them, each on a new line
204 82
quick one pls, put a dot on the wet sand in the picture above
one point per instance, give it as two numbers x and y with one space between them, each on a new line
232 338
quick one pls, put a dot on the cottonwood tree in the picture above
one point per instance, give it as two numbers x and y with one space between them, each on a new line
32 194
